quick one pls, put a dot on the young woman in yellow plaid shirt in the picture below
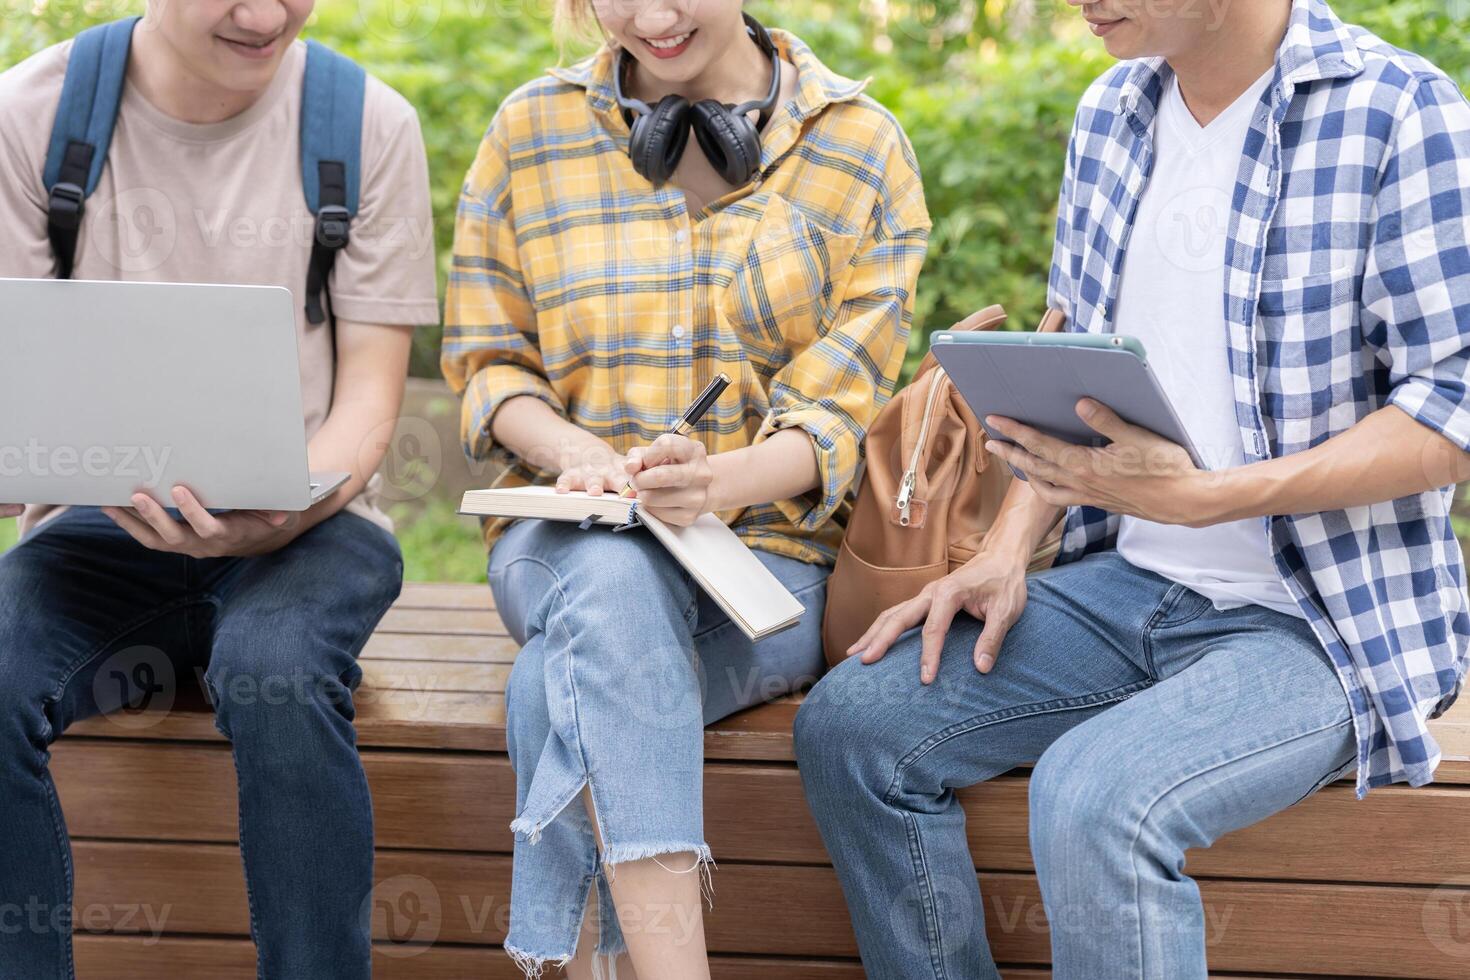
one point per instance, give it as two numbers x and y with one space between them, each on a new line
592 296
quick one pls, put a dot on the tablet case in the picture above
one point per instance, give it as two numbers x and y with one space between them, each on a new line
1039 383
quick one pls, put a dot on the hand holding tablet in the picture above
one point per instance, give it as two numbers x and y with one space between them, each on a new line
1080 416
1038 379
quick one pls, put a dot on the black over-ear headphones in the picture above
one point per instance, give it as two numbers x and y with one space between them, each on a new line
725 133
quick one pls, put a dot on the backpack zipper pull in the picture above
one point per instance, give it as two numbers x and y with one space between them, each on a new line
905 497
910 475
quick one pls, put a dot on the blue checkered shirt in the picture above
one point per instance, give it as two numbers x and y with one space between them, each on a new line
1347 288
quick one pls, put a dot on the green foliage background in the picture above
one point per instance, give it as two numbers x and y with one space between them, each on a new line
985 89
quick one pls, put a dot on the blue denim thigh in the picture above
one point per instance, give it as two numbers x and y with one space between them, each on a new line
1247 718
623 662
882 755
90 621
286 631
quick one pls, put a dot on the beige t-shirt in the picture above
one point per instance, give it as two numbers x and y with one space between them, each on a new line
223 203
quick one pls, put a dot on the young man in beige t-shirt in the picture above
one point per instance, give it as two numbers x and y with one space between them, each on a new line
101 608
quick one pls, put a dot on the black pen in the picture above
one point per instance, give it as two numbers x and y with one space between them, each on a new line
694 413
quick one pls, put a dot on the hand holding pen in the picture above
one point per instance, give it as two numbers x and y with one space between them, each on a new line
672 476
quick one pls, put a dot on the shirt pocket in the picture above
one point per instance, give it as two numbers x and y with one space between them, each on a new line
1305 330
785 290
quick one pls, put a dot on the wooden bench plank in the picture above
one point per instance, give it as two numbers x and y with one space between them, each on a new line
446 595
388 719
443 649
458 721
423 675
1347 930
439 622
465 802
397 709
191 958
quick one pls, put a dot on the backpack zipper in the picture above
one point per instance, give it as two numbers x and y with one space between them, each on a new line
910 475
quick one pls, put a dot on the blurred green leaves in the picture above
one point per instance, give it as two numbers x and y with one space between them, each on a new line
985 89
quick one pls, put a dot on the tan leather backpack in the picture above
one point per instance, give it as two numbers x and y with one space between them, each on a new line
926 502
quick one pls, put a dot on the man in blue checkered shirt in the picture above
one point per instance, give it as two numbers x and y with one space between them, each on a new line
1278 206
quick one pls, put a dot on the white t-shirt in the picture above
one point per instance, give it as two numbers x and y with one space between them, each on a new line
1171 298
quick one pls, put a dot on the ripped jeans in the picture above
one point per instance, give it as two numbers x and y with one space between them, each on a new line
624 660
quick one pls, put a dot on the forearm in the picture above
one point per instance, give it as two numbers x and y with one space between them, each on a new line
778 468
1387 455
532 430
353 440
1023 520
367 396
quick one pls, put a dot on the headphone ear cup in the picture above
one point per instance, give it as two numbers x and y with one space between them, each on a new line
729 141
659 138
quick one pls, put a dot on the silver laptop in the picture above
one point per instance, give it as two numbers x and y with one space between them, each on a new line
108 388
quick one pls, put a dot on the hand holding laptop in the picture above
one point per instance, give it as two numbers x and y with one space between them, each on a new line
200 534
11 510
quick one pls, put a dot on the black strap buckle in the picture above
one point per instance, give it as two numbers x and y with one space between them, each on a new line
64 210
333 226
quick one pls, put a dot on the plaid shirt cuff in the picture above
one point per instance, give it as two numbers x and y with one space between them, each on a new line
837 454
1443 409
490 388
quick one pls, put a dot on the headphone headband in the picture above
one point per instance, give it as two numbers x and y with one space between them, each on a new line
768 46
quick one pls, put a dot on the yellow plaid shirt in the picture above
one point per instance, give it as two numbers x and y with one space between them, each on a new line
576 281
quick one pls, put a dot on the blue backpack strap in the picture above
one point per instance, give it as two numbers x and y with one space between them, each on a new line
331 154
82 132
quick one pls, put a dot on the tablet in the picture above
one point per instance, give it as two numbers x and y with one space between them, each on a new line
1038 378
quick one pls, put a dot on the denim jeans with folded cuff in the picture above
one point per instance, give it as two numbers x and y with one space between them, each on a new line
1159 723
624 660
93 622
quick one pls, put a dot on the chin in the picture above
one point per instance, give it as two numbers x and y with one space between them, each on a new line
1126 43
245 79
679 72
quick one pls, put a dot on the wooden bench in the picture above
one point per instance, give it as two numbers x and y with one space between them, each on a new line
1330 888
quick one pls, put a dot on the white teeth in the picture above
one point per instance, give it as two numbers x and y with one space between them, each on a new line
670 42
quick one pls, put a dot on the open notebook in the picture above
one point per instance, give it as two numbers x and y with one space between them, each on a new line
753 598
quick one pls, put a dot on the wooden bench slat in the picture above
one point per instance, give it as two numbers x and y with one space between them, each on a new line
443 649
466 622
190 958
424 675
467 722
446 595
754 813
389 719
1345 930
108 957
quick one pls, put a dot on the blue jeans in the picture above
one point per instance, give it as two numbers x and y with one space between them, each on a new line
624 660
1156 724
92 622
